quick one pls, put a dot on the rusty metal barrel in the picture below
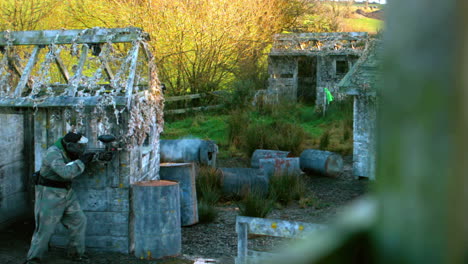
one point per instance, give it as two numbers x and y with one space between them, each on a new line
266 154
323 162
189 150
280 166
184 174
156 219
236 181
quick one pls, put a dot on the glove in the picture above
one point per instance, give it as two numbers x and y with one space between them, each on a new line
87 157
105 156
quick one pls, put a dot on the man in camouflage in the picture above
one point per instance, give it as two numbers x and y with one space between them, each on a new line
56 201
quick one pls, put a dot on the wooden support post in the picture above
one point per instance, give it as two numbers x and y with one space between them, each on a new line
77 77
131 73
105 63
14 65
107 69
242 231
147 52
27 71
422 141
61 66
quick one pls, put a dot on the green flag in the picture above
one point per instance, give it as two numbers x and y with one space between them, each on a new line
328 95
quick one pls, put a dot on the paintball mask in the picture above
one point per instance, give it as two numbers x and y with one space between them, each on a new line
75 144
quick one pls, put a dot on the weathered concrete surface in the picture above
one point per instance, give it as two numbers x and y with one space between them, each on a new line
189 150
156 219
280 166
237 181
364 133
323 162
266 154
184 174
13 179
363 82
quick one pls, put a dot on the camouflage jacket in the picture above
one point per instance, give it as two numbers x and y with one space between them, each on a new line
57 166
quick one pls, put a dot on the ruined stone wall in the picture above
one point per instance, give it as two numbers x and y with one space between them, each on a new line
283 71
104 188
328 75
364 136
14 202
283 77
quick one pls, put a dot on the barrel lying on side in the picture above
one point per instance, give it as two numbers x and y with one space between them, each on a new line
184 174
236 181
323 162
156 219
266 154
280 166
189 150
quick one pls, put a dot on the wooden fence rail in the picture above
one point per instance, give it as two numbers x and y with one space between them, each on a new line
268 227
192 97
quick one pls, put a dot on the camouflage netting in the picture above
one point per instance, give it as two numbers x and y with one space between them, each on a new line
100 73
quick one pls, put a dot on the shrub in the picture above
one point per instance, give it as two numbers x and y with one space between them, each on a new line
206 212
243 93
255 205
285 188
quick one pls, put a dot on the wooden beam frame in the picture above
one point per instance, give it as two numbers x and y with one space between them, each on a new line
78 36
79 70
131 73
27 71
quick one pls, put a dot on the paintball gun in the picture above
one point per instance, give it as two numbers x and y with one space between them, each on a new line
110 148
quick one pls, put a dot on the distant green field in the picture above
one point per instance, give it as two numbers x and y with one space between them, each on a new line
363 24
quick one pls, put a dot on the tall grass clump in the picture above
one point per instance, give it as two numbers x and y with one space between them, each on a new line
324 140
278 135
206 212
208 185
286 187
236 123
254 204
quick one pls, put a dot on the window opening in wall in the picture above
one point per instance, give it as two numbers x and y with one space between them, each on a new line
306 67
286 75
342 67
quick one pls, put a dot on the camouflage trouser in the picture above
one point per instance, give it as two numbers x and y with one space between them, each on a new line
54 205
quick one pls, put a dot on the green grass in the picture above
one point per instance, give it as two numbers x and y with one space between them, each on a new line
214 126
203 126
364 24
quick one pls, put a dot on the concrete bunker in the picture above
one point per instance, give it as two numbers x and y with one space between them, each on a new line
302 65
96 81
362 83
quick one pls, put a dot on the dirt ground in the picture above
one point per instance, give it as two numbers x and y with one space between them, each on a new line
216 240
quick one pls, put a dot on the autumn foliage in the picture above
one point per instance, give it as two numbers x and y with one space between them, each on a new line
200 45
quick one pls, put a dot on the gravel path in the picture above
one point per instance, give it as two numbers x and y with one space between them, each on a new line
216 240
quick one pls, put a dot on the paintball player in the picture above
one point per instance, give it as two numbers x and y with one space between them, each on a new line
56 201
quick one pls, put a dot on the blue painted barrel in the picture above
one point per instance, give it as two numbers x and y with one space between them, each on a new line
184 174
280 166
156 219
266 154
189 150
239 180
323 162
